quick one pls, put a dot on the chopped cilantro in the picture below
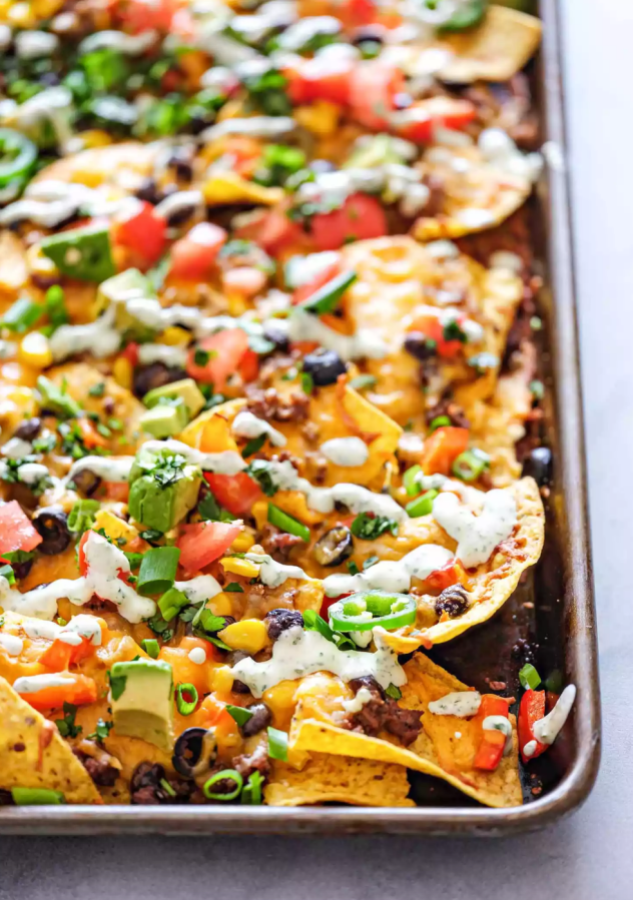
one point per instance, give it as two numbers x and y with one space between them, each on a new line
368 528
66 726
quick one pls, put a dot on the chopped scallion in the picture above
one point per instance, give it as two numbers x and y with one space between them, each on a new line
277 744
283 521
186 699
529 677
158 570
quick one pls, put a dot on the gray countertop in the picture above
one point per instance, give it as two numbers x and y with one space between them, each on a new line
589 855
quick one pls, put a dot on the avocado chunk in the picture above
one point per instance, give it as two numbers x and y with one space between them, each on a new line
163 488
187 389
142 700
83 253
378 150
119 290
165 419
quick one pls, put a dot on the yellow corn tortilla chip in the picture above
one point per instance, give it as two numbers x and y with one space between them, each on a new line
334 779
119 165
436 751
14 272
33 755
489 585
399 281
495 50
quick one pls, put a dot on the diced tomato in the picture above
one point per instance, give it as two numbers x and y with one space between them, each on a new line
78 690
16 530
194 255
358 12
306 290
532 709
227 349
130 353
117 490
490 750
432 328
273 231
144 15
373 88
321 78
446 112
89 434
60 655
359 218
81 554
442 448
327 602
249 366
443 578
144 232
245 280
204 542
237 493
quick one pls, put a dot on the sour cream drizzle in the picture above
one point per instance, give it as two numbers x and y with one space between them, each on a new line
391 575
245 424
477 536
272 573
458 703
31 684
347 452
546 730
297 653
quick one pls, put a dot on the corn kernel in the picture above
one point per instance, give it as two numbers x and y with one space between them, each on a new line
174 335
114 527
320 118
240 566
35 350
260 513
243 542
94 137
221 605
123 373
21 16
249 635
222 679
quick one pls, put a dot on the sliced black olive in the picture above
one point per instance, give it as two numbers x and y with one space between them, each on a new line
21 570
194 751
28 429
374 33
419 345
539 465
154 375
149 191
453 600
52 523
86 482
324 366
260 719
276 335
334 547
278 620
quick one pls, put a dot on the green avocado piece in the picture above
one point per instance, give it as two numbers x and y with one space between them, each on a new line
142 700
163 488
379 150
128 285
165 419
83 253
187 389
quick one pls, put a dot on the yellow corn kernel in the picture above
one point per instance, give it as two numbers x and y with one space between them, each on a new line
243 542
236 303
249 635
35 350
123 372
20 15
38 263
280 699
222 679
114 527
320 118
240 566
174 335
260 513
221 605
94 137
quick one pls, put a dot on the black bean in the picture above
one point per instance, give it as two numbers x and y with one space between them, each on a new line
278 620
86 482
21 570
276 335
182 215
539 465
373 33
154 375
238 687
453 600
28 429
324 366
419 345
334 547
52 523
181 160
260 719
149 191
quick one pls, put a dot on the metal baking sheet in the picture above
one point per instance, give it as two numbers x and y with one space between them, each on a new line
554 607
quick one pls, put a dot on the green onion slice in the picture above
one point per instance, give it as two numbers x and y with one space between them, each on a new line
287 523
410 480
366 610
422 505
82 515
529 677
158 570
277 744
327 298
17 155
252 792
185 706
171 603
151 647
23 796
231 774
439 422
470 464
239 713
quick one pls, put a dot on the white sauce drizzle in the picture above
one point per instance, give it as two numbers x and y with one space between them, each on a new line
272 573
197 656
458 703
249 426
99 337
393 576
477 536
127 44
31 684
302 326
355 705
297 653
12 644
502 724
546 730
347 452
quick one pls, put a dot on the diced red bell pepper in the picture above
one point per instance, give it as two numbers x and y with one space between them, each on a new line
226 349
361 217
373 88
443 578
130 353
16 530
194 255
144 232
306 290
60 655
78 690
203 543
490 750
145 15
321 78
237 493
445 112
432 328
532 709
442 448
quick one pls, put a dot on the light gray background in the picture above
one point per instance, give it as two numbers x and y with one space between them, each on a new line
590 855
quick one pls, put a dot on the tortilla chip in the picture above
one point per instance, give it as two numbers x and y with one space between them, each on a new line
334 779
14 272
122 165
397 280
33 754
489 585
495 50
437 750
